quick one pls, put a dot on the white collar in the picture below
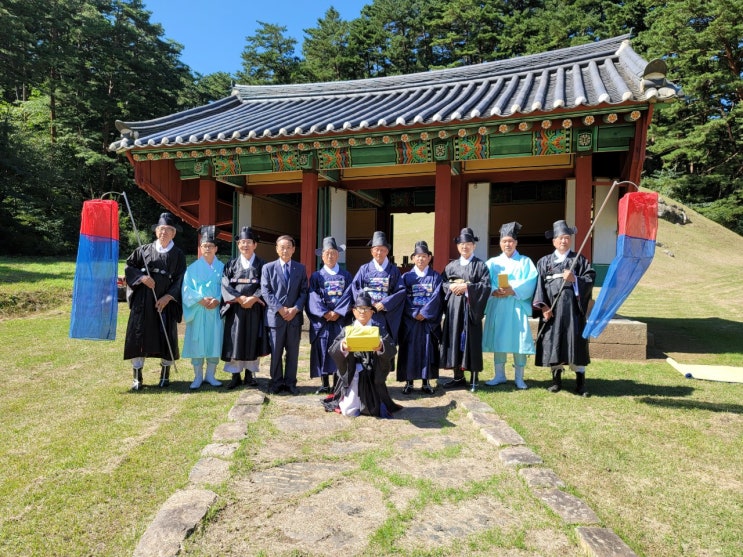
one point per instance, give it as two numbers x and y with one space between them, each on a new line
463 261
560 257
246 263
334 271
381 267
165 249
420 274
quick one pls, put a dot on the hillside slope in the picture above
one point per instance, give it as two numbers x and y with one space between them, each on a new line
692 295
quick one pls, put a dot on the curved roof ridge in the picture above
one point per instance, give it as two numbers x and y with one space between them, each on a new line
484 70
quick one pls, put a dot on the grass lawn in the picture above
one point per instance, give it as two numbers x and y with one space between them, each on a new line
85 464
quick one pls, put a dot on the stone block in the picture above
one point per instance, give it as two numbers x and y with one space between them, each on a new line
602 542
571 509
175 521
519 456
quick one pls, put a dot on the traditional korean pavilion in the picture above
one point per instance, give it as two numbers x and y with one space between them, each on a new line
532 139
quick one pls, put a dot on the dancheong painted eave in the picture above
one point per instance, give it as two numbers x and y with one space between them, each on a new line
599 74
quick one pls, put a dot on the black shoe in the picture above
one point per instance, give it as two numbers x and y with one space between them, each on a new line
408 388
428 389
249 379
292 389
323 390
235 381
556 381
456 383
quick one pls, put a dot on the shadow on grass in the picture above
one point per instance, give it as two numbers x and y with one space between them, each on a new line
12 275
711 335
674 403
614 388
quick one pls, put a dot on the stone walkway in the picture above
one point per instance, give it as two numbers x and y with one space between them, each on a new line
447 476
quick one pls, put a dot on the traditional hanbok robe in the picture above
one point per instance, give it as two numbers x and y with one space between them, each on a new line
382 286
461 347
506 326
245 335
419 342
328 291
204 327
363 378
561 340
144 331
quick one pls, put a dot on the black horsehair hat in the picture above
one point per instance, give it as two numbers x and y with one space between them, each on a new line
559 228
466 235
329 243
208 234
363 299
246 233
167 219
421 246
510 229
379 239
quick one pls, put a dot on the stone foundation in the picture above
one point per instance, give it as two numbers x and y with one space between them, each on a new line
622 339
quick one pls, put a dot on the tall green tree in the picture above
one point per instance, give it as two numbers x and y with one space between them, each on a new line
269 58
325 49
697 144
90 62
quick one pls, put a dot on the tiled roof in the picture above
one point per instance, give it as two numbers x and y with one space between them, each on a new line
606 72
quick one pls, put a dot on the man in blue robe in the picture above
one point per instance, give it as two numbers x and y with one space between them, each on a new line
328 304
420 333
513 278
380 278
202 296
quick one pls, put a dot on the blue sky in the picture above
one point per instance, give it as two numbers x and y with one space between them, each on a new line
213 32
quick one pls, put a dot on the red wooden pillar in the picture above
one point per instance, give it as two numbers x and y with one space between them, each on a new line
308 225
207 202
446 214
583 203
638 146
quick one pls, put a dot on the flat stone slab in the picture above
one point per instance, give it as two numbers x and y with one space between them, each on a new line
571 509
255 398
495 430
442 524
519 456
230 431
175 520
246 413
209 470
297 477
602 542
220 450
473 404
540 478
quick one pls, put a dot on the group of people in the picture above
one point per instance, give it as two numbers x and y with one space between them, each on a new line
413 324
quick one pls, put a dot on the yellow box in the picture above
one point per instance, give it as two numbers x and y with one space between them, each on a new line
362 339
502 280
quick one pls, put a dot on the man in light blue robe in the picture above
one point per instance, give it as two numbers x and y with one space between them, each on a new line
202 296
513 279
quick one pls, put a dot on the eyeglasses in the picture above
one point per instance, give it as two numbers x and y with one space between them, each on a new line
362 309
205 247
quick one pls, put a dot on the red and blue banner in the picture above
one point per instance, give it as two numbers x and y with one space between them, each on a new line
94 290
638 226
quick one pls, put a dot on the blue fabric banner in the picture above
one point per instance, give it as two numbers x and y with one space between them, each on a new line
94 290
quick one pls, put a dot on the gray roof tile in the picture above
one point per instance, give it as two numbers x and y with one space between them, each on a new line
606 72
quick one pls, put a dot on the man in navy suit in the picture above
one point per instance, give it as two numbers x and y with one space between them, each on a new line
284 288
